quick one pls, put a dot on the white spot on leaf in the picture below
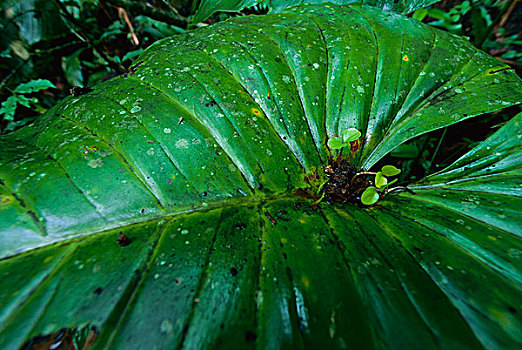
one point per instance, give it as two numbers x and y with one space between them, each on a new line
95 163
182 143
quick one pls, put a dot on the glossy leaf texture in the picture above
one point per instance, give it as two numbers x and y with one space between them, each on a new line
435 269
203 9
201 156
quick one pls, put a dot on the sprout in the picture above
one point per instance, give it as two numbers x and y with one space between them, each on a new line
335 143
372 193
347 136
380 180
390 170
370 196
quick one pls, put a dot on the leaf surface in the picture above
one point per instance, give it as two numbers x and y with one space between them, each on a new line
202 156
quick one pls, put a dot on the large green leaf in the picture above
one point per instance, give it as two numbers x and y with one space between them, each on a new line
201 157
203 9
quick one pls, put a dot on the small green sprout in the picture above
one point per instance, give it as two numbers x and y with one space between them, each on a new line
345 183
372 194
319 191
347 136
335 143
380 180
390 170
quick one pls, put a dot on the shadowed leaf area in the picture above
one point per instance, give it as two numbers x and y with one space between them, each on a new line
171 207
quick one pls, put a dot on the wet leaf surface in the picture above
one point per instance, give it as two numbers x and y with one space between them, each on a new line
172 206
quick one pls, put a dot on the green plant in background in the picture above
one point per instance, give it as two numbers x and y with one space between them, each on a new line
19 97
172 206
75 43
451 20
482 21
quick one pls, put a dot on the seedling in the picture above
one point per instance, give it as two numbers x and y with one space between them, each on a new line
372 194
345 183
349 137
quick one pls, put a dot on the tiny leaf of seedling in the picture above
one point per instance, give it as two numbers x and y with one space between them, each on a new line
350 135
335 143
390 170
380 180
370 196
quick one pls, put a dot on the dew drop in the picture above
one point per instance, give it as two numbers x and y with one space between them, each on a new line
135 109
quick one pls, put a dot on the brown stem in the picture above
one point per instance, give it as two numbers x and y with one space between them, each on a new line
361 173
123 12
172 8
505 16
339 157
510 62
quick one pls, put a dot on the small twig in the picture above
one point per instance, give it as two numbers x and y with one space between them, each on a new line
152 12
122 12
510 62
172 8
359 191
508 13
